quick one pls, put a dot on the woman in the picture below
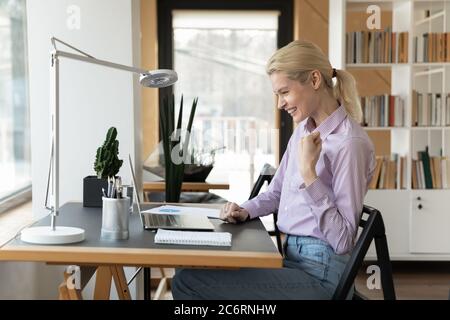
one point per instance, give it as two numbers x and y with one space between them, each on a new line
318 189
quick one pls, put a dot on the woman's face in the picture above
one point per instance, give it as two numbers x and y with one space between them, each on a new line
299 100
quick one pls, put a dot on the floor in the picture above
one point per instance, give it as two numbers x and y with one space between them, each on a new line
413 280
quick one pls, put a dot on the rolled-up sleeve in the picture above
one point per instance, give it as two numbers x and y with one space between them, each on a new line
268 201
338 218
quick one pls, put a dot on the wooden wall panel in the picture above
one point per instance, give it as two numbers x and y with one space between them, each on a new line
149 54
311 22
356 20
372 82
381 140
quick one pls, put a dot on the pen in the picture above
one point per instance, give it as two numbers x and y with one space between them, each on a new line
109 187
104 193
119 188
113 189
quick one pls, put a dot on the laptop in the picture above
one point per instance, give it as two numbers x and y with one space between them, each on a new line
152 221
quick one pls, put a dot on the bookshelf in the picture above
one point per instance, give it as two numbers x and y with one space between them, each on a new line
417 219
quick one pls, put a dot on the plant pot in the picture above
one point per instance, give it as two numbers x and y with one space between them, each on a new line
92 191
196 173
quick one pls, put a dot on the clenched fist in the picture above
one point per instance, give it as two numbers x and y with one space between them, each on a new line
309 152
231 212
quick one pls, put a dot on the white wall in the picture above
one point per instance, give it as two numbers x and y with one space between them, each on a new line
93 98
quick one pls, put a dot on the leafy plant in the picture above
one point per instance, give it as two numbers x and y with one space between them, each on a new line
107 163
175 149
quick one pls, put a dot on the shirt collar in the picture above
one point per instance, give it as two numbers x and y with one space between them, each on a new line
328 125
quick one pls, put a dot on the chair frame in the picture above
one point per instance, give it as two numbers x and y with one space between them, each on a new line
373 229
255 191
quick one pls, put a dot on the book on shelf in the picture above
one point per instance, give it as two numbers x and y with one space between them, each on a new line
383 111
389 173
432 47
430 109
430 172
377 46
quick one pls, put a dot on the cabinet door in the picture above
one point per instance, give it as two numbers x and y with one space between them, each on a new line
430 221
394 207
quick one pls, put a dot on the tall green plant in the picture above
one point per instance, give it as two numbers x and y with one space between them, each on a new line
107 163
175 149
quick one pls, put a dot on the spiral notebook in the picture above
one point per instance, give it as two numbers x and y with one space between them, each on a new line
193 238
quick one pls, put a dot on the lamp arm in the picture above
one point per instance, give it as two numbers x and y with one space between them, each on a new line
54 40
89 59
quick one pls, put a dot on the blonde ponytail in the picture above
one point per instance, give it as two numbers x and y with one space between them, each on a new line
300 57
345 91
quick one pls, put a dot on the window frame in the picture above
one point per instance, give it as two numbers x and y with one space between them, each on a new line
21 194
284 36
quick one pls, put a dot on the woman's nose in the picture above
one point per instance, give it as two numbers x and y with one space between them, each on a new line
281 104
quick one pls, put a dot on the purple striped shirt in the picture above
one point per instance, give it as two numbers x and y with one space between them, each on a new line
330 207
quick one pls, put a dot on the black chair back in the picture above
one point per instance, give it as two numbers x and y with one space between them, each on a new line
373 228
265 175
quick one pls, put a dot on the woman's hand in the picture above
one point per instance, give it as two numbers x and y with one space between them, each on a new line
231 212
310 148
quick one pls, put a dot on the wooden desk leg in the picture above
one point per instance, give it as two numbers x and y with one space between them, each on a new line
63 293
69 293
121 282
103 283
162 289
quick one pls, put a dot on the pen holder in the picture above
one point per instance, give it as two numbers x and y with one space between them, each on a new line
115 214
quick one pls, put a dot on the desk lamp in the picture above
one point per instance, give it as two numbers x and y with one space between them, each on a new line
57 234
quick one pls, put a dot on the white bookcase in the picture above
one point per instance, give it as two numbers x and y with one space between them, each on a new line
417 221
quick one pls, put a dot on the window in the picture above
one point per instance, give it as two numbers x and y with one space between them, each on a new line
221 57
15 164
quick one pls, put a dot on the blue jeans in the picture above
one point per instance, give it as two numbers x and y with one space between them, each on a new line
311 270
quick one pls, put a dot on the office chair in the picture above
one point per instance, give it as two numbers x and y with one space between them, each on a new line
372 228
266 174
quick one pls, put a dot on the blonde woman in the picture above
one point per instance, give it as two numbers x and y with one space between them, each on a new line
318 188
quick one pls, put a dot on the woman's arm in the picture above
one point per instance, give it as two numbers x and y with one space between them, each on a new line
268 201
338 220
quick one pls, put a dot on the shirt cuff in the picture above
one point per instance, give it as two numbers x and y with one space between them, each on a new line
251 207
315 191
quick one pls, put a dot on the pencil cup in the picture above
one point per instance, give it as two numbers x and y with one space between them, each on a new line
115 215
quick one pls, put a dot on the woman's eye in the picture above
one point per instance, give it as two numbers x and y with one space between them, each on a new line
284 93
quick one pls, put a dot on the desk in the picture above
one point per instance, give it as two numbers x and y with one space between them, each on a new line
158 186
252 247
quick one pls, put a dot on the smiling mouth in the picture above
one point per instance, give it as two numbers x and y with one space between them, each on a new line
291 111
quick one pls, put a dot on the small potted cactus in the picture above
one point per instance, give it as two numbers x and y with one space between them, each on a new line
107 165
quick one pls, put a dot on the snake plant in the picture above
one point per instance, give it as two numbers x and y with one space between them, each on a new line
175 149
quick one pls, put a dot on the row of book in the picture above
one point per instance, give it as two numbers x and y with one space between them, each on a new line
389 173
377 47
383 111
430 109
432 47
430 172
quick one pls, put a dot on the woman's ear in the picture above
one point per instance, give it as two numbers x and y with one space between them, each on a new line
316 79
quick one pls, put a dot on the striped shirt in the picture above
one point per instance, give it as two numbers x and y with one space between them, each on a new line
330 207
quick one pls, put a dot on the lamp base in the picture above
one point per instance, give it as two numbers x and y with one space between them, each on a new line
46 235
